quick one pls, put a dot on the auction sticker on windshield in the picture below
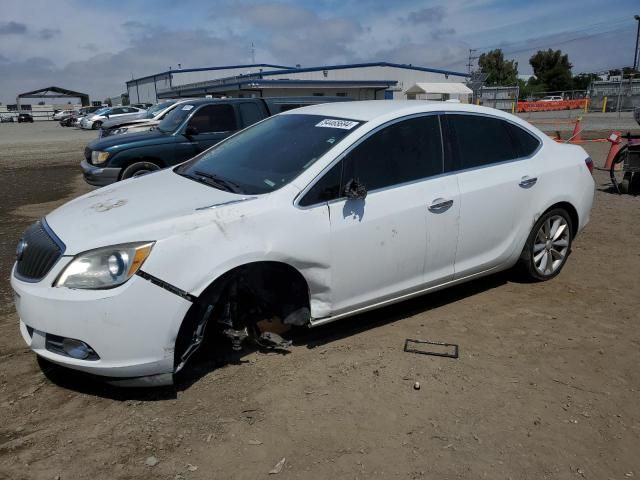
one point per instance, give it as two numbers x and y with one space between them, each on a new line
333 123
187 107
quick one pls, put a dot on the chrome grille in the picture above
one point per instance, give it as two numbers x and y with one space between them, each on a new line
40 250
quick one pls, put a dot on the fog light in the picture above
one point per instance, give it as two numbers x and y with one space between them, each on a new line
76 348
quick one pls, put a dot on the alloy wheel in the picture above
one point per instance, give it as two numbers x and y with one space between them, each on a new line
551 245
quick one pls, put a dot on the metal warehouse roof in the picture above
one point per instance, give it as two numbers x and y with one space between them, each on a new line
285 70
408 66
203 69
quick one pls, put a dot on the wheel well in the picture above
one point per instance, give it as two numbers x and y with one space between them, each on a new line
130 162
573 215
247 294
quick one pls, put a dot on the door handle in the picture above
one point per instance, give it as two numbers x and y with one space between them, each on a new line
527 182
440 205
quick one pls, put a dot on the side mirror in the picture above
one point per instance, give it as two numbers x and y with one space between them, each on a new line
190 131
355 190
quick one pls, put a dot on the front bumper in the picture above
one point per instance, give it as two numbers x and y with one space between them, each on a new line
132 327
98 176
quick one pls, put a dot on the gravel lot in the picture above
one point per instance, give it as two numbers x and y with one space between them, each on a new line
546 386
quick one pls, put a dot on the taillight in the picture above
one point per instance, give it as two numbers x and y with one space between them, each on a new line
589 164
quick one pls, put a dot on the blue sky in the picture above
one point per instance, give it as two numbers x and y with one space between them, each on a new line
96 46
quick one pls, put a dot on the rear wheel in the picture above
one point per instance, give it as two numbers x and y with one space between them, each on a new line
138 169
548 245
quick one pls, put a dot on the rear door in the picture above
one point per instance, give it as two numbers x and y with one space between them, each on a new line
211 124
497 180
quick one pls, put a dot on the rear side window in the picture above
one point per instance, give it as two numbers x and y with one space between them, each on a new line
250 113
481 140
214 118
526 142
405 151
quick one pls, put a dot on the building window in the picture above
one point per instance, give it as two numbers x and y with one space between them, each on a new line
341 94
317 94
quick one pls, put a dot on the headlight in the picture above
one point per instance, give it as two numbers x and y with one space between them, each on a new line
99 157
105 267
120 130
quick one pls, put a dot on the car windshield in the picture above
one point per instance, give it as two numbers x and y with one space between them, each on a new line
175 118
100 111
269 155
153 111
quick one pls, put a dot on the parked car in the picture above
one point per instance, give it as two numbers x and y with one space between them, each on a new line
7 117
94 121
25 118
186 131
62 113
144 106
73 119
552 98
142 123
309 216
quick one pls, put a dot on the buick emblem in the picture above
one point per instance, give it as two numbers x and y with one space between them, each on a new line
22 246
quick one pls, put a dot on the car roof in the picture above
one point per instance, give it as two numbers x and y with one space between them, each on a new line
368 110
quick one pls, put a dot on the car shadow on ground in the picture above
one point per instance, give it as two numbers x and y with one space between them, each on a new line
216 351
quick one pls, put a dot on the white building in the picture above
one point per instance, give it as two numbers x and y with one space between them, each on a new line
363 81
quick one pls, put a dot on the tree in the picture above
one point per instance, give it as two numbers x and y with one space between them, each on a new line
583 80
552 70
500 71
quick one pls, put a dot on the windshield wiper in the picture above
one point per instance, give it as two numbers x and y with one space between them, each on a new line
221 182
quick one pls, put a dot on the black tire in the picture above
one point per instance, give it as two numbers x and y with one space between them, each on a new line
96 125
138 169
625 184
527 262
634 185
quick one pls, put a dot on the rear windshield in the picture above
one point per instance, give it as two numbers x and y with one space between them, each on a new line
268 155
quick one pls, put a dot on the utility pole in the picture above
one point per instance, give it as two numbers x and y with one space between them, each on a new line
472 57
253 54
635 52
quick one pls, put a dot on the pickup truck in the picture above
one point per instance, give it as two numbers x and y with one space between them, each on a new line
185 132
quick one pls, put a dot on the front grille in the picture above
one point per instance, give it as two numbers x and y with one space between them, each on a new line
40 250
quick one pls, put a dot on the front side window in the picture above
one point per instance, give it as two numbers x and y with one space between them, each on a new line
214 118
268 155
325 189
481 140
405 151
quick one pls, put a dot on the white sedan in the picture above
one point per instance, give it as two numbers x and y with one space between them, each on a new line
310 216
94 121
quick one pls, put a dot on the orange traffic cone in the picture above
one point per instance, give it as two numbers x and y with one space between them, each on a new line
616 144
576 137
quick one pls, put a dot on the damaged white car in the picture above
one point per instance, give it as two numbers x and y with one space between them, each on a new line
309 216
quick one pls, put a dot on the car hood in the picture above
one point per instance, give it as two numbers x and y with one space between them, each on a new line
155 136
147 208
128 123
116 122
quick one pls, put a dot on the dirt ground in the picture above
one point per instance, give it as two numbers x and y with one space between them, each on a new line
546 386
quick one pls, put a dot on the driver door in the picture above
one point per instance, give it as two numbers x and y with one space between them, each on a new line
381 244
